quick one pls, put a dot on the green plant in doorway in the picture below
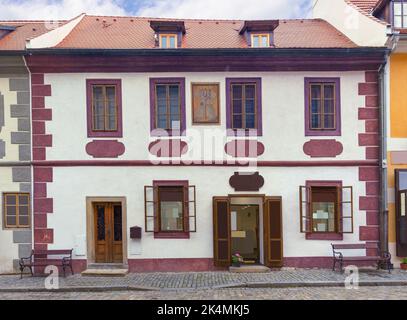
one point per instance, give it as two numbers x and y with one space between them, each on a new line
237 259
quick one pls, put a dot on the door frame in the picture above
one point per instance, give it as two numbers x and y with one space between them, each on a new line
90 225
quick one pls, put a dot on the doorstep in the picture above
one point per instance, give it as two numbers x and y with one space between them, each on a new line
249 269
106 270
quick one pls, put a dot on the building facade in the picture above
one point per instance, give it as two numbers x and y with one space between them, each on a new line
171 145
383 23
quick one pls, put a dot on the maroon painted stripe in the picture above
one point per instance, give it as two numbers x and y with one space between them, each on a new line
146 163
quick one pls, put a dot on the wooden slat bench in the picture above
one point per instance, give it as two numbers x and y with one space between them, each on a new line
42 258
379 257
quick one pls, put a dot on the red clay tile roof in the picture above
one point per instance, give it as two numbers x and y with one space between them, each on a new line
99 32
16 39
95 32
367 7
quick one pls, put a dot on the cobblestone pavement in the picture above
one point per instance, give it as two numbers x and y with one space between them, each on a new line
206 280
363 293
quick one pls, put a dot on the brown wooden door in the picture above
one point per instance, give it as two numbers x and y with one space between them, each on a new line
273 232
221 233
108 233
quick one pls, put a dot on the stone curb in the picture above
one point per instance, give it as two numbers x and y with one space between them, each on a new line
253 285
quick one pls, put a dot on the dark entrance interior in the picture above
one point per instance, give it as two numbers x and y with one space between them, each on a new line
245 232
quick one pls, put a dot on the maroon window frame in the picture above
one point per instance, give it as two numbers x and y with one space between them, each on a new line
323 132
157 132
90 83
172 234
258 106
324 235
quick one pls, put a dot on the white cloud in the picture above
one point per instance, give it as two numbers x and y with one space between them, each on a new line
54 10
227 9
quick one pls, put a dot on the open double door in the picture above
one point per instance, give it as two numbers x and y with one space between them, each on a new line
272 231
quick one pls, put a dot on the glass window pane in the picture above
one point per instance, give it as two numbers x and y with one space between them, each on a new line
99 123
174 117
162 121
403 205
250 106
172 42
316 121
329 107
397 9
101 223
162 106
164 42
161 92
118 232
11 221
23 199
237 106
23 211
97 93
329 91
264 41
171 216
237 92
256 41
250 91
315 92
237 122
112 123
329 122
398 22
11 210
11 199
323 216
250 121
23 220
315 106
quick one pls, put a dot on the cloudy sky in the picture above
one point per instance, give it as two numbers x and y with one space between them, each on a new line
228 9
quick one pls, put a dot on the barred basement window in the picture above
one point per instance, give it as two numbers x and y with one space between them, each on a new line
170 209
16 210
326 208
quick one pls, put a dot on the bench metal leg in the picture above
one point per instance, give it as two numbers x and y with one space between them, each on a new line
333 268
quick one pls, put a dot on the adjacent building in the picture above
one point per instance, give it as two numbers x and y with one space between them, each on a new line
171 145
383 23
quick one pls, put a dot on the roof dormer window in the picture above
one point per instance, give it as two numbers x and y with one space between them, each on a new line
259 33
168 34
400 14
261 40
168 41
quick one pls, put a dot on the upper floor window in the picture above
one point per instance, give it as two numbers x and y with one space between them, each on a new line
260 40
104 108
322 114
16 210
168 105
400 14
168 41
244 105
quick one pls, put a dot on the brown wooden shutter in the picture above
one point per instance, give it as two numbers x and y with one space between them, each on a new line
221 233
273 232
305 209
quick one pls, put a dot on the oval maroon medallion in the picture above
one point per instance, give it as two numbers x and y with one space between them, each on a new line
105 148
173 148
323 148
244 148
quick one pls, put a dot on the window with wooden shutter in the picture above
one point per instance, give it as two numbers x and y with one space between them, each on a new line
273 232
401 211
326 209
170 209
221 232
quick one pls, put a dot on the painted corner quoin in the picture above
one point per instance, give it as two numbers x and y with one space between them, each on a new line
370 139
43 205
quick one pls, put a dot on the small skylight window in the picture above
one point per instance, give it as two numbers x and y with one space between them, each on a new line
168 41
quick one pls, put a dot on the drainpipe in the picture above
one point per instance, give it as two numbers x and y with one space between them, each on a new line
383 218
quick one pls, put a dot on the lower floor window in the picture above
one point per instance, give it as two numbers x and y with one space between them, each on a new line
326 208
16 210
324 212
171 209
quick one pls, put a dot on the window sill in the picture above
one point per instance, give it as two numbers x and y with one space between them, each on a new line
327 133
324 236
105 134
171 235
167 133
244 133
